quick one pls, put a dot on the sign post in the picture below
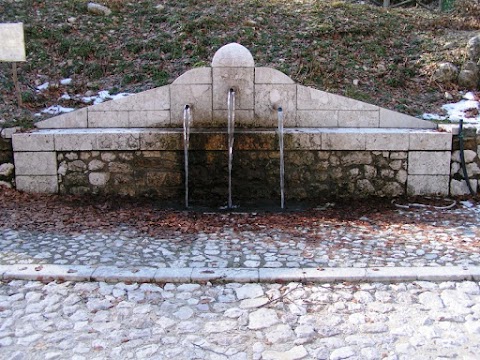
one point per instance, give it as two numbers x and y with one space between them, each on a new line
12 49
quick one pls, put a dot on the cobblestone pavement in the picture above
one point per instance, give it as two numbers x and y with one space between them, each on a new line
97 320
452 238
419 320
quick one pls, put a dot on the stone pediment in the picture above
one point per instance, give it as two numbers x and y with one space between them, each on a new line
260 91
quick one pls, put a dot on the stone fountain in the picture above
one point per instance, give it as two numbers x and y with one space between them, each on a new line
333 146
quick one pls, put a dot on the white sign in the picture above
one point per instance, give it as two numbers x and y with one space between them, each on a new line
12 42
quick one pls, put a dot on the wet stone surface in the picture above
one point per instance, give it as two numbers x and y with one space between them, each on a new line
419 320
450 239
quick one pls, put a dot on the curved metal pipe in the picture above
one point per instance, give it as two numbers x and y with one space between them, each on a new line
462 158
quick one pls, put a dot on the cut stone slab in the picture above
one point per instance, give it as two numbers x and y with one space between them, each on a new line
32 142
114 274
430 141
317 118
312 99
198 76
233 55
35 163
74 119
393 119
154 99
238 79
358 119
269 98
108 119
48 272
166 275
37 184
428 185
198 97
224 275
264 75
429 163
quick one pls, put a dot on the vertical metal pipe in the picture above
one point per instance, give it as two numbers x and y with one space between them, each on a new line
282 162
187 121
231 130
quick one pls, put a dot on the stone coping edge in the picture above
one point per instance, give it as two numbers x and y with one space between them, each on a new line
112 274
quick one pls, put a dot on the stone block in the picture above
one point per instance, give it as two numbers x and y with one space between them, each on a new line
469 156
118 141
238 79
302 141
48 272
313 99
197 76
358 119
356 158
161 140
320 275
429 163
459 187
79 141
74 119
268 98
393 119
391 274
148 119
108 119
326 275
98 178
173 275
343 141
33 142
389 141
115 274
268 275
198 97
264 75
317 118
443 273
428 185
35 163
154 99
243 119
430 141
224 275
37 184
233 55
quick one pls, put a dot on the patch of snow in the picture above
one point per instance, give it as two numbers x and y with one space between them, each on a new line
42 87
428 116
65 97
457 111
67 81
57 109
103 96
467 204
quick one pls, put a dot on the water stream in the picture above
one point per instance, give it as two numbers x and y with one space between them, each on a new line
231 129
187 122
282 162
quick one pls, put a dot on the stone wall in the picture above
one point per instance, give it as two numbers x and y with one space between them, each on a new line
309 175
458 185
7 169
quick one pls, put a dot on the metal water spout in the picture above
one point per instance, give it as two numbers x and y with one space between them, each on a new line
187 122
231 138
282 162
